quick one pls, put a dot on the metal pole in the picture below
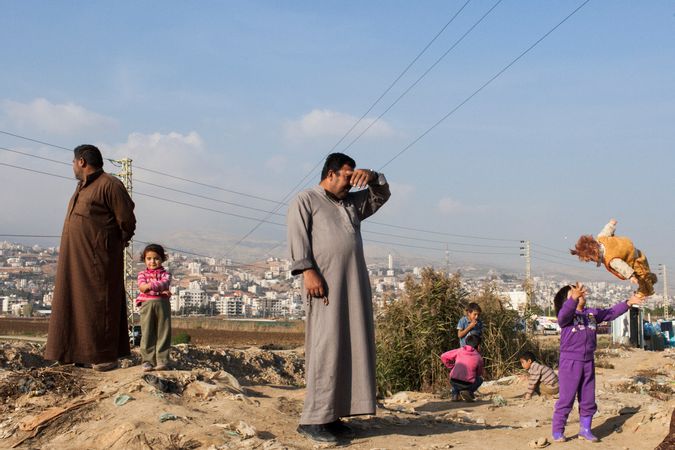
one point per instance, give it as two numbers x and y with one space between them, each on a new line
666 300
129 277
525 252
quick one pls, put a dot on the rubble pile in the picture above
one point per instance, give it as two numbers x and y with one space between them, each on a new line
654 383
251 366
21 356
36 382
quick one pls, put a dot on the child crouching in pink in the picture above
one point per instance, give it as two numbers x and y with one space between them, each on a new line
466 368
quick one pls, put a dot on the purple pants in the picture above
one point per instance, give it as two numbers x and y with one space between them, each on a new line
576 379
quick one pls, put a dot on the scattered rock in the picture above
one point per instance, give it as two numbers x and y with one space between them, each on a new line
400 397
245 430
534 423
540 442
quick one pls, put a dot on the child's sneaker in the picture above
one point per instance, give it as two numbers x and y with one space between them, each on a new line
147 367
467 396
454 398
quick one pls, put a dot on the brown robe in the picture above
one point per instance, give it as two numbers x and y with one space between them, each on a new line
89 313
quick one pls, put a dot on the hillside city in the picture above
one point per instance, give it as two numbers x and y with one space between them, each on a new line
266 289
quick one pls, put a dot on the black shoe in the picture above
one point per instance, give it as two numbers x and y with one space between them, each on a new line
339 428
317 433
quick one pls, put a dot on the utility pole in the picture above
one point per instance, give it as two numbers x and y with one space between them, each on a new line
666 300
129 286
525 252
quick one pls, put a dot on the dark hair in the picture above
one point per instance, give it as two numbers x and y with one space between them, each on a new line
90 153
560 298
334 162
473 306
527 356
473 340
153 248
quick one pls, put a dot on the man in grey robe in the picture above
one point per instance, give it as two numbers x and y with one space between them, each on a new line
324 235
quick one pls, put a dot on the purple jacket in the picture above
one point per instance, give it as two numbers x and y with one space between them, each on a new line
578 328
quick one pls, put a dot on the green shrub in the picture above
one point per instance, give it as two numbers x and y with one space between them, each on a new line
181 338
413 332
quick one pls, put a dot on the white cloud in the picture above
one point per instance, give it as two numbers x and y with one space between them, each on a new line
448 205
173 152
320 123
62 119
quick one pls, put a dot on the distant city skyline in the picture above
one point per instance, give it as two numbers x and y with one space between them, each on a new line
250 96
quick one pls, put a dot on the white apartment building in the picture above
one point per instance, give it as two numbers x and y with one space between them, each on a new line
195 268
229 306
192 298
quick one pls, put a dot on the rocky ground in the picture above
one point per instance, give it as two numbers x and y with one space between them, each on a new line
222 398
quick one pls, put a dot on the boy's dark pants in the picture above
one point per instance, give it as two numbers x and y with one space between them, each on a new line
156 331
461 385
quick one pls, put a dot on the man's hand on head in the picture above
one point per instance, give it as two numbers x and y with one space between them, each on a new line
361 177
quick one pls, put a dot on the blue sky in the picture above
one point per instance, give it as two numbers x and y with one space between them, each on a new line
251 95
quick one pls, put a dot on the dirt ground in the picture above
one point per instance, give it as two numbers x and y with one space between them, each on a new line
258 406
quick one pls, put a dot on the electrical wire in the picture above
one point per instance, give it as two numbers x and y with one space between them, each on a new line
421 77
484 85
437 241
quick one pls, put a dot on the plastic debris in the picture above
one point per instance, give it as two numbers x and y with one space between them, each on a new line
163 384
122 399
167 416
498 400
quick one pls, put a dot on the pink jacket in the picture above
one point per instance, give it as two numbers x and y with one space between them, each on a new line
465 363
159 280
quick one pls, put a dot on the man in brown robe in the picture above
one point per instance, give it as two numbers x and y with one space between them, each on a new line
324 235
88 324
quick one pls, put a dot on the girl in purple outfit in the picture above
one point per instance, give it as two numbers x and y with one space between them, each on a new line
576 372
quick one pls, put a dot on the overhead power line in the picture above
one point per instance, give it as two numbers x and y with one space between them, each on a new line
441 233
421 77
36 171
413 238
439 249
565 252
483 86
369 222
164 174
335 146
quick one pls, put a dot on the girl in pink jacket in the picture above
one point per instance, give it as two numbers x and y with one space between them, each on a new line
153 301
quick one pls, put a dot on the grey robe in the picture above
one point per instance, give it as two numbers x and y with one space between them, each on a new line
325 234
